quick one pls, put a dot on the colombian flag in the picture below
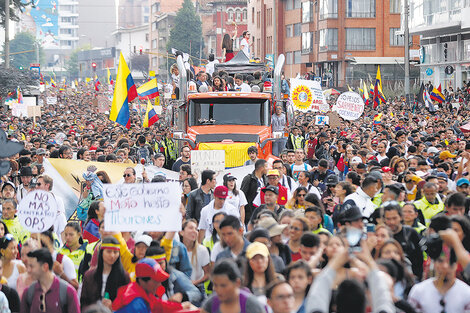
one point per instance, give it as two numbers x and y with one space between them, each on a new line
437 95
97 83
110 78
365 94
124 92
150 115
20 95
378 95
149 90
378 119
53 83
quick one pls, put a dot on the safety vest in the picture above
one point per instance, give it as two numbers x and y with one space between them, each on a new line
428 209
296 141
320 229
171 148
419 228
158 150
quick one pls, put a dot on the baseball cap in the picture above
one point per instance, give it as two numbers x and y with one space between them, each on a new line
433 150
386 169
146 239
446 154
273 227
462 181
323 134
256 248
221 192
8 183
351 213
271 188
356 160
273 173
442 176
228 177
150 268
41 151
375 174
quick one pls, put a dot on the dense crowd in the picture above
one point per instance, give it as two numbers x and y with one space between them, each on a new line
367 216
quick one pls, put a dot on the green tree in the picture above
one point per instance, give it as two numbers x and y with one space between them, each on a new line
12 78
23 42
186 35
15 6
72 65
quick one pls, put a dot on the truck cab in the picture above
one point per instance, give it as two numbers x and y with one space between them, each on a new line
228 120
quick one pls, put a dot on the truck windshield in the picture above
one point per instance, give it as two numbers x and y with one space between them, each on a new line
229 111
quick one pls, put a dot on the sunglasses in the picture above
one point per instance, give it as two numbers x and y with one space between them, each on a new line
126 175
301 195
294 228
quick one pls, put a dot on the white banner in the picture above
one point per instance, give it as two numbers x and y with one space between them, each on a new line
207 160
143 207
37 211
307 95
349 106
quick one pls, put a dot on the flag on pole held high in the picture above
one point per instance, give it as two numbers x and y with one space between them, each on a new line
378 94
110 78
97 83
437 95
151 116
149 90
124 92
425 99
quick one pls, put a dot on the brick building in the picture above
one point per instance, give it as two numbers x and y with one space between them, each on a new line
340 41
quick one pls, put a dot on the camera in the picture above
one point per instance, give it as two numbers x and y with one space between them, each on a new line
33 183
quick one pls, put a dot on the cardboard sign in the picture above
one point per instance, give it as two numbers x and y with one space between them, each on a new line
37 211
143 207
51 100
349 106
307 95
207 160
322 120
34 111
334 119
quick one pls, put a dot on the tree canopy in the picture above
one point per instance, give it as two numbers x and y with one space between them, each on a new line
23 42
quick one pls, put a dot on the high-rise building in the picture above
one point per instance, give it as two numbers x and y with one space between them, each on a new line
445 40
133 13
339 41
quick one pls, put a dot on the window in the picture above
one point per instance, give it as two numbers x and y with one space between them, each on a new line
238 15
396 40
395 6
297 57
146 19
290 31
253 15
245 14
360 38
297 4
297 29
360 8
328 9
230 15
289 58
289 5
154 26
146 37
154 61
154 44
328 40
307 12
269 17
258 47
307 42
258 19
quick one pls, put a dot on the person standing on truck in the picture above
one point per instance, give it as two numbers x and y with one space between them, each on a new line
278 121
210 67
227 45
245 44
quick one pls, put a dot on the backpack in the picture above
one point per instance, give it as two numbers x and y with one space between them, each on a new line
63 301
243 299
143 153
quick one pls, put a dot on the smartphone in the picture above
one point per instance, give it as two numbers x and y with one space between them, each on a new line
370 228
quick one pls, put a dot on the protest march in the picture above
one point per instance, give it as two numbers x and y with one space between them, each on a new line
235 193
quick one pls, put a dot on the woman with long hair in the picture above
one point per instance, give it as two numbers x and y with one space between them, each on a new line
102 282
92 225
189 184
235 197
198 254
259 270
214 243
297 227
382 235
218 84
227 45
12 268
297 202
75 247
104 177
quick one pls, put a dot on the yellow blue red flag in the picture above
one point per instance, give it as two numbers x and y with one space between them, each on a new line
437 95
150 115
110 78
124 92
149 90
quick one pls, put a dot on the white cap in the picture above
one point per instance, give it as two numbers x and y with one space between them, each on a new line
433 150
145 239
356 160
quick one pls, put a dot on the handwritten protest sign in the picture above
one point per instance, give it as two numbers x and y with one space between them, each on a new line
349 106
307 95
142 207
322 120
51 100
37 211
207 160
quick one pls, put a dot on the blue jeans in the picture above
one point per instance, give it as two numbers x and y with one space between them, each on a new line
279 145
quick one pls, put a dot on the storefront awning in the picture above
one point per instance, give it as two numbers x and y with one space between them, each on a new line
377 60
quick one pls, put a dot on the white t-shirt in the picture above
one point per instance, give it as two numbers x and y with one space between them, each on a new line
103 284
296 169
69 267
210 66
244 45
203 259
236 200
208 212
424 297
243 87
216 250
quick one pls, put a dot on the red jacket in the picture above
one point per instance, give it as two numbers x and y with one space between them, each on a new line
281 198
127 294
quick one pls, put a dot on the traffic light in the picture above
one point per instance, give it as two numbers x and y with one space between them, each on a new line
445 52
93 66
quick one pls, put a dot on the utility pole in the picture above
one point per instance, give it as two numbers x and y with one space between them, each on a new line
407 52
7 33
274 25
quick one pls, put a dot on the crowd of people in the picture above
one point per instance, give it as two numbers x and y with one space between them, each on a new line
367 216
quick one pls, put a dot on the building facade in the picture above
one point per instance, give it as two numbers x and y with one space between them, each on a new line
445 40
340 41
133 13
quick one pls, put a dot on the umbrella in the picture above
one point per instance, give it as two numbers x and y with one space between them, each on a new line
331 91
